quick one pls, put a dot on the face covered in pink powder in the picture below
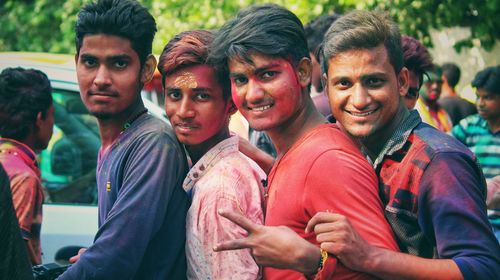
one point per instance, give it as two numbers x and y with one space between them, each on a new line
266 90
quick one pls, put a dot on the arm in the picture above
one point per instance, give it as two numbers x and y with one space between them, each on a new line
452 211
493 197
25 198
337 236
264 160
278 247
137 214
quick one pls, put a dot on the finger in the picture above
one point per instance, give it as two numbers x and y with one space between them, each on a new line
239 219
325 227
330 237
74 259
235 244
321 217
330 247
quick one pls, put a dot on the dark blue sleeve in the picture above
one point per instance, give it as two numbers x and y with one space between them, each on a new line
151 172
452 211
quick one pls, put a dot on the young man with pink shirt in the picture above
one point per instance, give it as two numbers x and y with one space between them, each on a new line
198 104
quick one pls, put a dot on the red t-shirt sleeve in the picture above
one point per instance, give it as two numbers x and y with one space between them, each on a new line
345 183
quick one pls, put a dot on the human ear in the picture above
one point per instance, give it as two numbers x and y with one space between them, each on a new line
304 71
403 81
231 107
148 69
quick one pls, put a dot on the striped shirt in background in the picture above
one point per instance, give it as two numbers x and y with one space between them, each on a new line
474 132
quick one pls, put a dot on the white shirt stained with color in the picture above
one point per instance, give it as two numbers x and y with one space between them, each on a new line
226 179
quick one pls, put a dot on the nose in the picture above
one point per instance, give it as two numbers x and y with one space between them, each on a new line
255 93
480 102
103 77
360 97
186 110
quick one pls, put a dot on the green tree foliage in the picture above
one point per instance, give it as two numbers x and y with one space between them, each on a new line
47 25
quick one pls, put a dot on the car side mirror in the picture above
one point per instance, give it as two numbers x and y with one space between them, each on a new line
66 158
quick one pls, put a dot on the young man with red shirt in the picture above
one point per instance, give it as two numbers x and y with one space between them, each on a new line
318 168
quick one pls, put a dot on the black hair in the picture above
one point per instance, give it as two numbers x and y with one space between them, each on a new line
452 73
124 18
363 30
488 79
23 94
268 29
316 29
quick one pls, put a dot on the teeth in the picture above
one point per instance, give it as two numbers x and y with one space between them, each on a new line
362 114
261 108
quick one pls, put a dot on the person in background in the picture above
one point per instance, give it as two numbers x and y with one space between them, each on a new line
198 104
427 105
318 168
14 260
141 165
418 61
315 32
456 107
481 133
26 123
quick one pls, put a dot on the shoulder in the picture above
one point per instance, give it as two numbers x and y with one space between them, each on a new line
325 141
435 141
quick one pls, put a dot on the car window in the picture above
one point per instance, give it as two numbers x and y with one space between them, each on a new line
69 162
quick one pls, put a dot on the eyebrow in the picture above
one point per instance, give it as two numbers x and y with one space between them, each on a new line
257 70
110 58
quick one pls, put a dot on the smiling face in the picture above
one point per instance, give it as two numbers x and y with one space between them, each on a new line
267 91
365 93
109 75
195 105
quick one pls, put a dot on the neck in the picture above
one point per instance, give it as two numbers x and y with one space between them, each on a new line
197 151
296 127
376 142
494 125
432 104
111 128
447 91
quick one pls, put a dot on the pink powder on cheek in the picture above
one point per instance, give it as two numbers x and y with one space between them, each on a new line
235 96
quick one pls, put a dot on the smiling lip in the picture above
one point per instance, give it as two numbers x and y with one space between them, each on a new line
185 127
362 114
260 108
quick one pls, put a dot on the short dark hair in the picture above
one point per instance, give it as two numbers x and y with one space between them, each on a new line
452 73
187 49
416 57
488 79
268 29
124 18
316 29
363 30
23 94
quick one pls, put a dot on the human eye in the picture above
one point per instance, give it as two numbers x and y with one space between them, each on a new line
173 95
89 61
268 74
374 82
343 84
239 80
202 96
120 64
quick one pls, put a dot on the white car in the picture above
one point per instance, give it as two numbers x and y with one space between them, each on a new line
68 164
